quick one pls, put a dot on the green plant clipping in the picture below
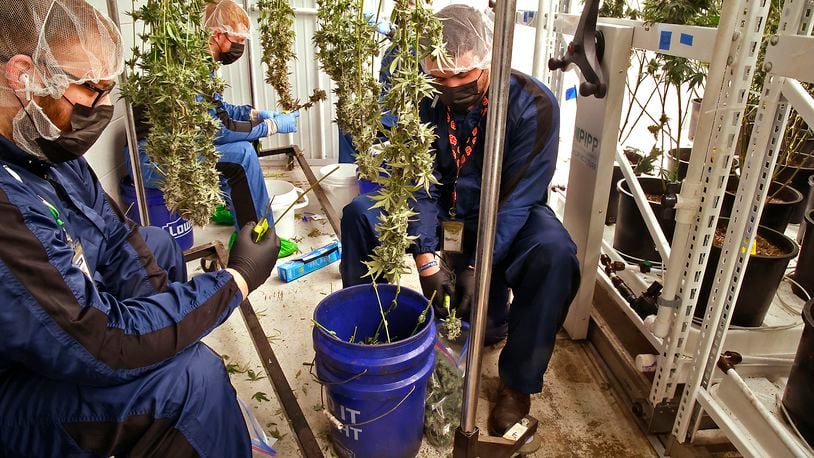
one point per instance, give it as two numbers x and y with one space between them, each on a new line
172 77
276 24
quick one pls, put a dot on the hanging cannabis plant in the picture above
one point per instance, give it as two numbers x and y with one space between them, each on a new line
405 164
171 78
346 46
276 24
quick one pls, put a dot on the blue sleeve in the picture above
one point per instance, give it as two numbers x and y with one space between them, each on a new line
65 327
236 123
530 157
425 224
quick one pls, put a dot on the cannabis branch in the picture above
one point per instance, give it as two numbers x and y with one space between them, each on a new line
172 78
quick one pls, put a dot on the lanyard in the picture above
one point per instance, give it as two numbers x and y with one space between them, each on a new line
459 157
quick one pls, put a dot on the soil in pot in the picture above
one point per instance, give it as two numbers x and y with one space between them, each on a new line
804 271
780 204
798 399
797 173
765 270
631 237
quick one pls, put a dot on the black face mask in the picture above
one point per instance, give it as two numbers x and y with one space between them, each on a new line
460 98
234 53
87 125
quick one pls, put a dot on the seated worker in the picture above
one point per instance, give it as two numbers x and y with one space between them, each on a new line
533 255
242 179
100 352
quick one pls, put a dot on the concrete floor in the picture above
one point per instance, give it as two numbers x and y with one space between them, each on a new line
578 413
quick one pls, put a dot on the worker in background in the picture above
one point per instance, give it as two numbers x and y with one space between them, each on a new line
533 254
100 352
242 179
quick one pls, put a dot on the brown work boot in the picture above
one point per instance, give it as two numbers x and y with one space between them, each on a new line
510 407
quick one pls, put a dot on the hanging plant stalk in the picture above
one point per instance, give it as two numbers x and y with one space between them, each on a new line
276 24
171 78
346 45
405 164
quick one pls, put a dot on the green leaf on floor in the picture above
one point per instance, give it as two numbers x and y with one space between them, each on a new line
260 397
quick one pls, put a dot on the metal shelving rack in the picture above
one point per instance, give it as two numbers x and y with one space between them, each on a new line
684 393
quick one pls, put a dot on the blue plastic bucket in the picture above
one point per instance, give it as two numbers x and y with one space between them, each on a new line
179 228
376 391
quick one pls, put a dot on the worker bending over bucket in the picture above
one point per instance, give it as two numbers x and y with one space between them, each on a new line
533 255
242 179
100 351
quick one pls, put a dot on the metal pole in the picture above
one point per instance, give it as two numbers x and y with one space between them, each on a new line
495 132
130 132
247 5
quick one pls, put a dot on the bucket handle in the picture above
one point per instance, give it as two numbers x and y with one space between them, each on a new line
301 195
325 382
341 426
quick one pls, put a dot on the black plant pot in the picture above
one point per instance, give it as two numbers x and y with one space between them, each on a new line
804 272
776 215
798 399
631 237
678 161
613 196
760 282
797 176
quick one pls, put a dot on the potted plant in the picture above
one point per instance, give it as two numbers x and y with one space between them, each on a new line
768 260
381 322
171 77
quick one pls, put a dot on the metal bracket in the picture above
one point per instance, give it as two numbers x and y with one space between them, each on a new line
586 52
475 445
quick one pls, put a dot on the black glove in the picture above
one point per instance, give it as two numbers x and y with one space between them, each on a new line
254 260
439 283
464 292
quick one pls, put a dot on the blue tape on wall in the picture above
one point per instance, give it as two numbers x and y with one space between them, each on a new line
571 93
685 39
664 40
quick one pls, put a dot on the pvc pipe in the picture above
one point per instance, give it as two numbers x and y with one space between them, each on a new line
662 245
130 133
541 31
252 71
490 193
686 212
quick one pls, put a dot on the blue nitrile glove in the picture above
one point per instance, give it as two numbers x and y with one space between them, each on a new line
384 26
262 115
286 122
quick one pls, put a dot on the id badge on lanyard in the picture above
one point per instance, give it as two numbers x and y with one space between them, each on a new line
452 230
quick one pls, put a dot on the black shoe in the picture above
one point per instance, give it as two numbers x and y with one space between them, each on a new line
511 406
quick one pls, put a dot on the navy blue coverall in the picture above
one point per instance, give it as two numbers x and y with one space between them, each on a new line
533 254
107 359
242 179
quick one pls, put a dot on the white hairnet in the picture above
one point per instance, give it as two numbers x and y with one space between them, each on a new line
468 40
226 16
68 40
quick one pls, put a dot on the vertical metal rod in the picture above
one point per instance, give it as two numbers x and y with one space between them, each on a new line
490 192
541 33
130 133
247 5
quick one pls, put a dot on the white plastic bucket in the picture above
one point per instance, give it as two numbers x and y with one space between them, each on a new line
284 194
341 186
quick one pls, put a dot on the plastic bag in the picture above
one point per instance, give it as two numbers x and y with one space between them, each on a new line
442 410
260 442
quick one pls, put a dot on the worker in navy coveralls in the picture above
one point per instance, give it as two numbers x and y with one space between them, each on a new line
534 256
100 351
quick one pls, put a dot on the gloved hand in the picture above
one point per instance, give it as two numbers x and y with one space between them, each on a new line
464 291
286 122
262 115
439 283
254 260
384 26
